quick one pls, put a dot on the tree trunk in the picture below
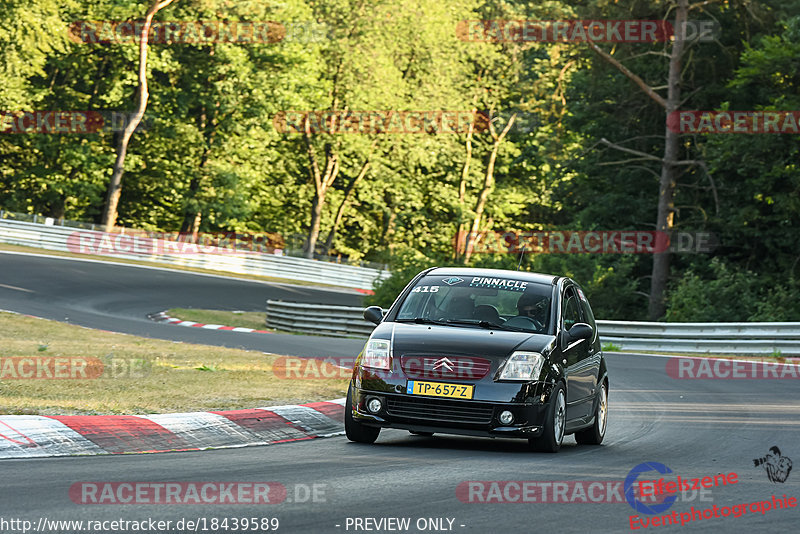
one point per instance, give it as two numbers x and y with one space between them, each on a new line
666 187
191 225
460 243
488 184
115 185
192 217
322 181
668 178
340 212
316 218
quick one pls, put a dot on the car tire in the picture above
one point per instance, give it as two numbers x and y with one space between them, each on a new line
425 434
354 430
553 432
594 434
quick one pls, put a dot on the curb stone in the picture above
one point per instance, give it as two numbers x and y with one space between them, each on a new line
38 436
162 317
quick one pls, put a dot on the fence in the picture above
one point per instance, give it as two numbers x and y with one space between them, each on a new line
697 338
729 338
317 319
47 235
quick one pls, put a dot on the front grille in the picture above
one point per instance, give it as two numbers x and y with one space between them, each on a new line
444 367
454 411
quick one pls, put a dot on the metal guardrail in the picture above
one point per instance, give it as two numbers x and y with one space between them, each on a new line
693 338
729 338
66 239
317 319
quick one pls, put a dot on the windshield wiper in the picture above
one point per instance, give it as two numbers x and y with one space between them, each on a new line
421 320
485 324
468 322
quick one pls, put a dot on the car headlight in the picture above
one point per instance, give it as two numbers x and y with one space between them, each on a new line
522 366
376 354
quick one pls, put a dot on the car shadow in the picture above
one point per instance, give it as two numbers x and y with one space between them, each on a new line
397 440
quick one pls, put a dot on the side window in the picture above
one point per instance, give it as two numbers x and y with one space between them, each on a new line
588 316
571 310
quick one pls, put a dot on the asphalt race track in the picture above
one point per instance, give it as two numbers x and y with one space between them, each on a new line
697 428
119 297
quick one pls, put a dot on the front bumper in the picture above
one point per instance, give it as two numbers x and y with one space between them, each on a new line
451 416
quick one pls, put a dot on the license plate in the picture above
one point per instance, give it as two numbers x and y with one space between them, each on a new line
438 389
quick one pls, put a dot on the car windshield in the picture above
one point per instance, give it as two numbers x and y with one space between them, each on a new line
503 303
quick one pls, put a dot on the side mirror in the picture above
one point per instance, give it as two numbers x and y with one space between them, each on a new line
374 314
580 331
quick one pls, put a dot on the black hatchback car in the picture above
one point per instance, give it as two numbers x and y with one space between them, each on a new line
482 352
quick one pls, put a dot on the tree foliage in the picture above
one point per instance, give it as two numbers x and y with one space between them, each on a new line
208 156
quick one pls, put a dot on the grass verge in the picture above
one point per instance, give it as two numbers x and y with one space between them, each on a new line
139 375
255 320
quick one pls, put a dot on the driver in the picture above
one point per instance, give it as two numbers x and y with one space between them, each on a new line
533 306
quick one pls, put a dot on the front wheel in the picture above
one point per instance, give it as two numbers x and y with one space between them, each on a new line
354 430
553 432
594 434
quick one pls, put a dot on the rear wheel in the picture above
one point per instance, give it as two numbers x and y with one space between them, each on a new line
553 432
354 430
594 434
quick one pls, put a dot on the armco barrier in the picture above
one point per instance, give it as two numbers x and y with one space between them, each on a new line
317 319
695 338
51 237
729 338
